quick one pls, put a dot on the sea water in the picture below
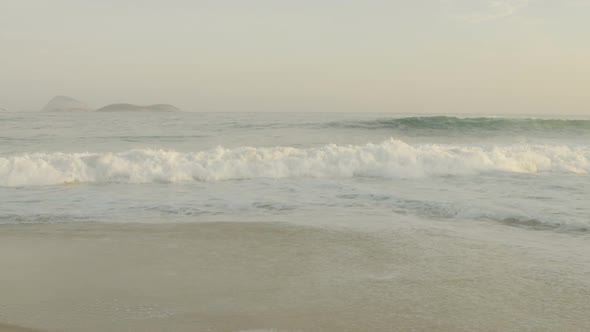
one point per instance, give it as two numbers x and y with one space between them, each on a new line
520 171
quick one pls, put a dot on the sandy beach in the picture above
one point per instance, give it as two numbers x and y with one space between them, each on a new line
285 277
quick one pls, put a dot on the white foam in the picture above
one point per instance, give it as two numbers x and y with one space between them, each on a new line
390 159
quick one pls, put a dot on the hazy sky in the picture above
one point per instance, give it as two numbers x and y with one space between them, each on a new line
440 56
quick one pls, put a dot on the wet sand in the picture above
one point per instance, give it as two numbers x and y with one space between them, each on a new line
12 328
285 277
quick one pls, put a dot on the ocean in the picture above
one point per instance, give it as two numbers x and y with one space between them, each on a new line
294 222
525 171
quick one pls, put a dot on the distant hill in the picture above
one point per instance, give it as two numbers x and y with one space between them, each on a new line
138 108
65 104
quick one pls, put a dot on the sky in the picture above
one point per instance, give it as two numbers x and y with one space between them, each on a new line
424 56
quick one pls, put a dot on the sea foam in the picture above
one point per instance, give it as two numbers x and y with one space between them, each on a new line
389 159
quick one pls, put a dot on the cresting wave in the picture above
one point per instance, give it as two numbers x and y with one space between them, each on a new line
467 124
390 159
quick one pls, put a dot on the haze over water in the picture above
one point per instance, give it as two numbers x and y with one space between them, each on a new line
425 56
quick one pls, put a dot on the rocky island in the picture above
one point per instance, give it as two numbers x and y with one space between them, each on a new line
65 104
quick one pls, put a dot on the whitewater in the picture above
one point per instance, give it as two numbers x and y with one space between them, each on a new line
391 159
528 171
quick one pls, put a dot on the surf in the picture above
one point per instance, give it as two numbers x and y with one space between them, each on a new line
391 159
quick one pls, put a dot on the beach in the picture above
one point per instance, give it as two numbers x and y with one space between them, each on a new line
249 276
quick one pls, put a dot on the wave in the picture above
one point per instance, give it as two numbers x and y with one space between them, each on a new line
389 159
42 218
449 123
522 218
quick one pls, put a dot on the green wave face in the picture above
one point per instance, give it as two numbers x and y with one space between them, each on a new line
449 123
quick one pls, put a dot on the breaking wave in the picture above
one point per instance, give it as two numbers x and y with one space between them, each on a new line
390 159
449 123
